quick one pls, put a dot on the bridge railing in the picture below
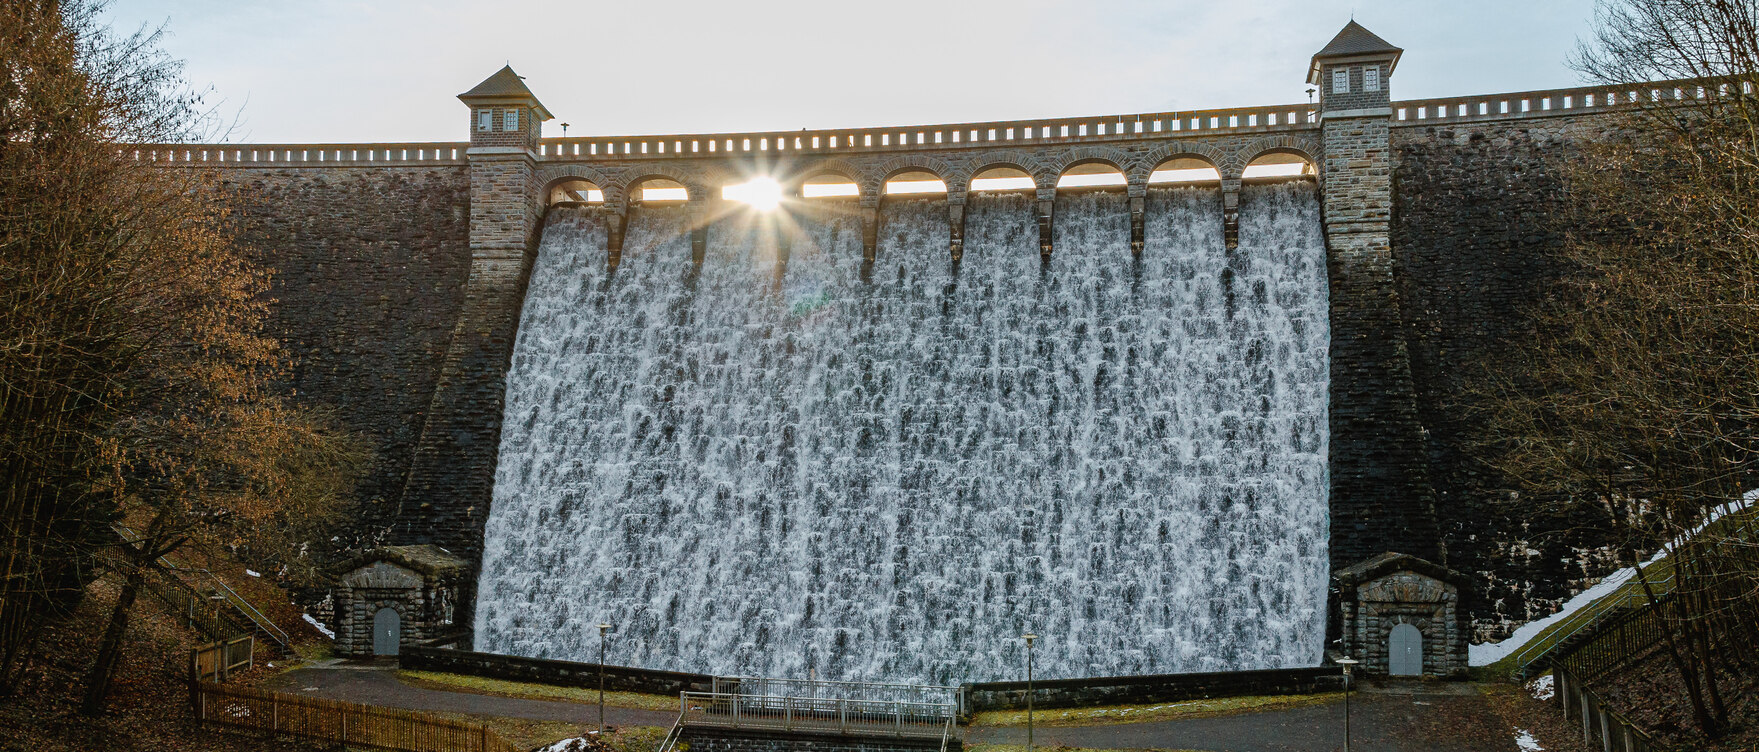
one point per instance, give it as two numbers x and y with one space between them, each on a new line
303 155
948 136
918 720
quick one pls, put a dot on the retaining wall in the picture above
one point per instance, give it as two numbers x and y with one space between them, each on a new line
558 673
729 740
1136 690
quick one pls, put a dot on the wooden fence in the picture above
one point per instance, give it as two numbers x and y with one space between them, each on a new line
343 723
1598 722
216 660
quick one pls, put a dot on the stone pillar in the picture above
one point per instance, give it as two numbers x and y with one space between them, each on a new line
956 225
1381 498
451 477
1047 203
869 228
1231 211
1138 210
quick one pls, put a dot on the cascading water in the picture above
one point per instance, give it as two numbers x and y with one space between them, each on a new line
777 464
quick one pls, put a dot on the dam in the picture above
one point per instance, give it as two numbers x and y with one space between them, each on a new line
1106 379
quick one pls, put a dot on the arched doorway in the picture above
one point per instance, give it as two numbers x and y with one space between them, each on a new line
1404 651
387 631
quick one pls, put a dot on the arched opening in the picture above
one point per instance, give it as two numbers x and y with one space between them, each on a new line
1003 178
1404 651
659 191
1280 165
914 182
387 631
829 185
1184 170
1092 175
576 190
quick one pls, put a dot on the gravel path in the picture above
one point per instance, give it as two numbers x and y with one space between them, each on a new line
378 685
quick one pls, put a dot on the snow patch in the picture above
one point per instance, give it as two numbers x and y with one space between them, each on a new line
1491 652
1524 739
319 625
1543 688
252 572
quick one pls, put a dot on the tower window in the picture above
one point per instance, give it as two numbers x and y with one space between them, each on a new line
1371 78
485 120
1340 81
510 120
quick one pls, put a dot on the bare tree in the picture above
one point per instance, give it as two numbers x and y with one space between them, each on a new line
1640 396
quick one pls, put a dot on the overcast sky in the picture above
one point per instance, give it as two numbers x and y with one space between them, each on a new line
384 70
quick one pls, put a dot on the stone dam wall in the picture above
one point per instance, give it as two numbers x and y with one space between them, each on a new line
373 286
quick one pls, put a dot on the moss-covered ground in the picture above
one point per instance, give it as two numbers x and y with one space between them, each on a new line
527 691
1166 711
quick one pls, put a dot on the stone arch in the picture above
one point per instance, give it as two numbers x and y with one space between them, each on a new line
1085 155
989 162
862 179
696 181
1249 152
1207 152
908 163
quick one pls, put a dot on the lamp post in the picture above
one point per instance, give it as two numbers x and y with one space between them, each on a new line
602 629
1029 638
1347 662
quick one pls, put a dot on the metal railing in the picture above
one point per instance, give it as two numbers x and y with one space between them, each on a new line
825 689
1599 722
916 720
1536 655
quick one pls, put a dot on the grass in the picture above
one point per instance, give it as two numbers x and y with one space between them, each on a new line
529 734
1022 748
525 691
1158 712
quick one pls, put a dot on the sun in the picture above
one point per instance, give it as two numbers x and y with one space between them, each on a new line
760 193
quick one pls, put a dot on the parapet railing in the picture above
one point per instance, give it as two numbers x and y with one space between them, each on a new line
915 720
917 138
303 155
1550 102
947 136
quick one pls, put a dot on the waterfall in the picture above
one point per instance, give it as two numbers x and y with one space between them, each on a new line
782 462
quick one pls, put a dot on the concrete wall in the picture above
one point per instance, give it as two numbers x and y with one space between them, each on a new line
559 673
1133 690
370 266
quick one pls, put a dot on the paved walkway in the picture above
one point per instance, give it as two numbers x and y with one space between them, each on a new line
1438 718
1396 718
377 684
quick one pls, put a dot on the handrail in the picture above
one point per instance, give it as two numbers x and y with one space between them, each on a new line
826 715
676 731
238 602
1539 650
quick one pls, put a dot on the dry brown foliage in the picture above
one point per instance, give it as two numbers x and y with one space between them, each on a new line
137 409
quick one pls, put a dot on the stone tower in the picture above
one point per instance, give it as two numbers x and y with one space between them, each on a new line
455 456
1381 496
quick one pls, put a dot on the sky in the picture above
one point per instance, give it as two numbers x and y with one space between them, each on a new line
336 71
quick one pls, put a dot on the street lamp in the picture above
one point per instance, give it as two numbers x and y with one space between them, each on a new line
1347 662
602 629
1029 638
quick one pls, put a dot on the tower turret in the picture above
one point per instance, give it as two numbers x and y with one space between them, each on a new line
504 113
1352 71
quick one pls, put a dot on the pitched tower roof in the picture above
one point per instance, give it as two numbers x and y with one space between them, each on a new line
1355 41
505 87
